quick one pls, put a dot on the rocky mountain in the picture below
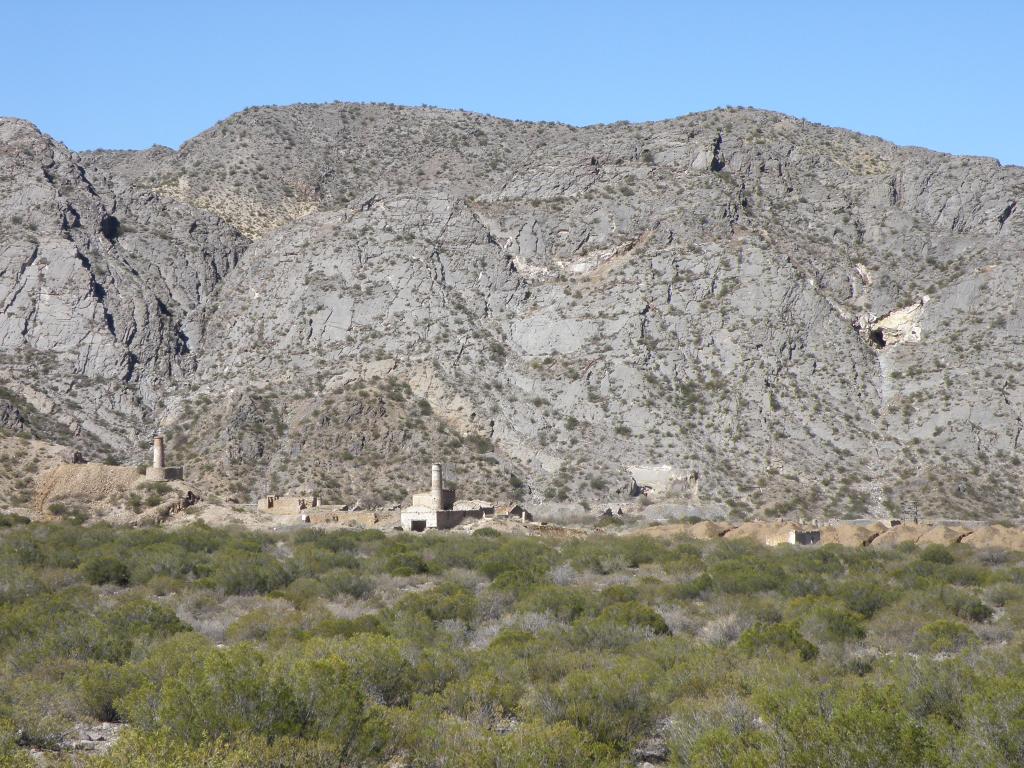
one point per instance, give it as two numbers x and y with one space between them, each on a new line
733 311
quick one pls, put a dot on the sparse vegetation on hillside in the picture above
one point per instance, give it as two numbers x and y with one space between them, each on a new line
697 292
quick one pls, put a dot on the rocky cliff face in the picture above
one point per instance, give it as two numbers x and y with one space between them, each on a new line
789 316
98 285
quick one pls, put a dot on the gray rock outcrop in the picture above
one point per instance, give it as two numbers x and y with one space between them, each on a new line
334 294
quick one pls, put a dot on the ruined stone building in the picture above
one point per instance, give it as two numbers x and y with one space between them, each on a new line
512 512
433 509
792 535
438 508
287 505
307 508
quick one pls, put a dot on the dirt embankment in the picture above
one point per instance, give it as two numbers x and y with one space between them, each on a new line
88 483
114 494
875 534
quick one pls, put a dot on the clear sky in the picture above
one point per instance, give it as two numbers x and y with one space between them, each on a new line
944 75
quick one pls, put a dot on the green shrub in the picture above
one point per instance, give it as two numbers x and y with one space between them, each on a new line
522 671
382 667
10 755
944 636
332 626
219 693
311 560
615 705
268 625
99 685
302 592
965 605
784 637
688 590
240 572
636 616
745 577
106 569
865 596
521 555
162 559
937 553
136 618
406 564
445 601
566 603
329 700
42 709
344 581
828 620
486 695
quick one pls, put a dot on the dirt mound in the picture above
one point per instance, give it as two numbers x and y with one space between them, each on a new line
901 533
995 536
21 461
703 530
943 534
707 529
849 535
554 531
83 482
921 535
761 532
660 531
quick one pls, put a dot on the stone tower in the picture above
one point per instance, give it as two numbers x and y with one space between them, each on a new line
436 487
159 471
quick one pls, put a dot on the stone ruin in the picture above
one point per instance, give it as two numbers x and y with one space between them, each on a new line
430 510
288 505
158 471
438 509
308 508
434 508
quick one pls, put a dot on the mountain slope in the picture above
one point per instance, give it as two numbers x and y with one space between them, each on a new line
793 317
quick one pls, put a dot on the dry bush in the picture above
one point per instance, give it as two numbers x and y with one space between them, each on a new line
724 630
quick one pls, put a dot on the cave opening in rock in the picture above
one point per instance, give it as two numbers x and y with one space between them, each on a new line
878 338
110 227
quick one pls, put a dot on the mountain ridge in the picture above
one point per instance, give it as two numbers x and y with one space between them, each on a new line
546 305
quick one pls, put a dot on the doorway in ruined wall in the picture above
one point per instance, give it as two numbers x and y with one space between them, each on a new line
419 525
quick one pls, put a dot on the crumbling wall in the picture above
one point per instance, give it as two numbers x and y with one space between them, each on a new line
430 518
426 499
287 505
325 515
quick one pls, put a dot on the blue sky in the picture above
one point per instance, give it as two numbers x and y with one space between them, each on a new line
945 75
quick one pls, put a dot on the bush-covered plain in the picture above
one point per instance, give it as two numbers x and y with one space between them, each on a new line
228 648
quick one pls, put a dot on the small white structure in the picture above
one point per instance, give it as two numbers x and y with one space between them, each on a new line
792 536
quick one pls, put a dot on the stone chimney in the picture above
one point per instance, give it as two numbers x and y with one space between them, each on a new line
158 452
436 487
